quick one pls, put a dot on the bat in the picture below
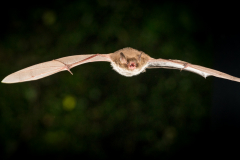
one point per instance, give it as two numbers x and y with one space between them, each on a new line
127 62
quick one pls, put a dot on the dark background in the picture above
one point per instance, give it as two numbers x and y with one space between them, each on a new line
97 113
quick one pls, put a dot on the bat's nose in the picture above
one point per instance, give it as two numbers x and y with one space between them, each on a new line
131 65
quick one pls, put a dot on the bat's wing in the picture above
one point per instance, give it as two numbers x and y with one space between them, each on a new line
177 64
48 68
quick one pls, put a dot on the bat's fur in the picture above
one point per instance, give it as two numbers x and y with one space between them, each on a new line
132 55
126 72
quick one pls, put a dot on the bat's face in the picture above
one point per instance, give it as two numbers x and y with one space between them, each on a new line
129 62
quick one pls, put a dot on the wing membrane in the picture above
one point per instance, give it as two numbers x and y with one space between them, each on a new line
177 64
45 69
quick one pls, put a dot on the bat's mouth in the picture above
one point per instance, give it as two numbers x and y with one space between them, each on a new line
132 65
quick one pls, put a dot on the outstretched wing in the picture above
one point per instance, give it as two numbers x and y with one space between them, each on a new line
177 64
48 68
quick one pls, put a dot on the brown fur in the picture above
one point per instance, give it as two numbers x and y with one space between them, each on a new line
131 55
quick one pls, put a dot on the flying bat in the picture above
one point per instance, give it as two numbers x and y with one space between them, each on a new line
127 62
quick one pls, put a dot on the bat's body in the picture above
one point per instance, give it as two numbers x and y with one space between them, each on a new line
127 62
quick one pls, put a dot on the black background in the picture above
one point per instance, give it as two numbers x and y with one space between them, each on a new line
212 30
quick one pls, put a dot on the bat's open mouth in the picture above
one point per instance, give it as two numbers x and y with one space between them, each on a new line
131 65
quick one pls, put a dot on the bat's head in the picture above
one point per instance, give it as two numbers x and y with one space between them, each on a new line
129 61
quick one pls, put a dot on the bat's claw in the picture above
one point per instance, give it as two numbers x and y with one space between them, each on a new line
67 67
69 70
185 65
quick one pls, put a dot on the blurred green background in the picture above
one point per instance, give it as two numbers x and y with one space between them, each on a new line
96 112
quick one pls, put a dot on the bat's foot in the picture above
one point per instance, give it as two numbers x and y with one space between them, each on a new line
185 65
67 67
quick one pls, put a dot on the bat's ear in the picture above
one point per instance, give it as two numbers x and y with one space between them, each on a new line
123 59
139 57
